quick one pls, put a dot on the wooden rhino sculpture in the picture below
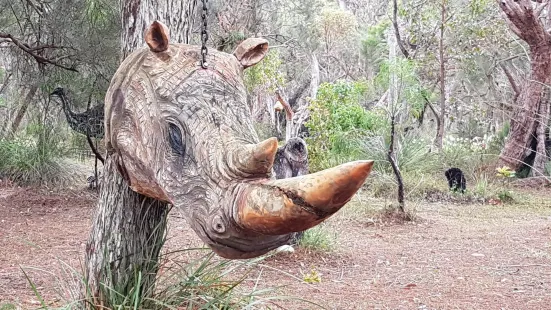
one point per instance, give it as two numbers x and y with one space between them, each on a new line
183 134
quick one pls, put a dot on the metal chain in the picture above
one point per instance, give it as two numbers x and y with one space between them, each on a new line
204 36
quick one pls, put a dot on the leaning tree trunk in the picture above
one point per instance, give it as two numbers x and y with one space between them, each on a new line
538 169
23 109
128 228
523 21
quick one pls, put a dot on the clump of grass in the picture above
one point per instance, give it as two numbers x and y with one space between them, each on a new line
506 196
187 279
35 159
318 238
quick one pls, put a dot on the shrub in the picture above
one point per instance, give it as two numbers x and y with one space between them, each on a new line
338 123
33 159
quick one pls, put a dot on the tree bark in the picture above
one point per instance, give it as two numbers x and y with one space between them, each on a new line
23 109
393 98
128 228
302 113
137 15
391 158
127 235
524 22
441 124
538 169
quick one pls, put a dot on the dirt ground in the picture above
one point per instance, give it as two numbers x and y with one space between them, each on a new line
450 257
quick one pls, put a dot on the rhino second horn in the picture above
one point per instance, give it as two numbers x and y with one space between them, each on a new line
257 158
290 205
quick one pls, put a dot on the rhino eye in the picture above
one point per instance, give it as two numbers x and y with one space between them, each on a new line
175 139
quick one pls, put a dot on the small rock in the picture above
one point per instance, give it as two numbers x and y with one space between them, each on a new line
285 248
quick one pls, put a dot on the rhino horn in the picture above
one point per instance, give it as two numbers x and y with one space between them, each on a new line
257 159
296 204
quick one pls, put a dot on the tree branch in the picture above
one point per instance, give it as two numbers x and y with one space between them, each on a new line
5 82
524 22
288 110
397 30
25 47
511 80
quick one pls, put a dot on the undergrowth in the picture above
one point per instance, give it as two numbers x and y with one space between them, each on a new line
187 279
318 238
36 158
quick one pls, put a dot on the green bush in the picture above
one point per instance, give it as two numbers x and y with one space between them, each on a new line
267 75
338 123
33 159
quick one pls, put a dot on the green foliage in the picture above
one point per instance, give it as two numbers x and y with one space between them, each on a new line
33 157
336 25
410 88
98 13
187 279
266 75
8 307
318 238
230 42
338 123
202 283
505 172
412 154
506 196
374 47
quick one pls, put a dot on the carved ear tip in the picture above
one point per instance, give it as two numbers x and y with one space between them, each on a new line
157 37
251 51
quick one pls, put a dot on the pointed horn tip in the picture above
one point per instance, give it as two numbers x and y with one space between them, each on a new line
364 166
357 170
266 149
295 204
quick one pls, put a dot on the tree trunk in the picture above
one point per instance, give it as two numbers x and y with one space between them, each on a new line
523 120
23 109
302 113
128 228
541 158
393 98
391 158
441 124
529 109
127 235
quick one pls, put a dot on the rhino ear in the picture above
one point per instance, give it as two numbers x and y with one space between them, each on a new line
251 51
157 37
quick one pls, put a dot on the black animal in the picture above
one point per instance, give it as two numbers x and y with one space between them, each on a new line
456 180
292 160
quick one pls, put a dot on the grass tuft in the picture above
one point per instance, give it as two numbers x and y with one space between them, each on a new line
319 238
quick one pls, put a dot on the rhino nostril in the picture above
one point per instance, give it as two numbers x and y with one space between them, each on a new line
218 224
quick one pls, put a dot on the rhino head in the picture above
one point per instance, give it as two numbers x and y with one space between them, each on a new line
183 134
